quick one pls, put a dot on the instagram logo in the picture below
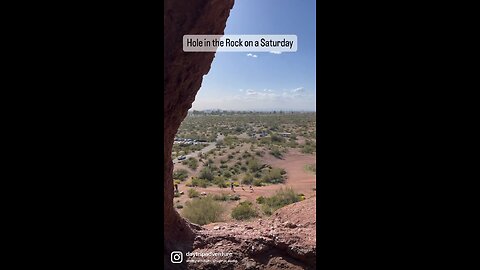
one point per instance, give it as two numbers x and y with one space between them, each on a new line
176 257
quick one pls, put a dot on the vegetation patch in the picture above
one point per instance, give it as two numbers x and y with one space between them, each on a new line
193 193
206 173
311 168
221 197
280 199
180 174
200 182
274 176
203 210
191 162
244 210
309 147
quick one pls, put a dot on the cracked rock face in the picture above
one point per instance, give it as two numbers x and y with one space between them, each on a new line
264 244
183 73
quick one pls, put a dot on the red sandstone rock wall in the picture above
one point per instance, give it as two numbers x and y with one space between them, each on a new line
183 74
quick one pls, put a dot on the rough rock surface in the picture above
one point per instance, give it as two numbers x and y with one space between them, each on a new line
286 240
183 74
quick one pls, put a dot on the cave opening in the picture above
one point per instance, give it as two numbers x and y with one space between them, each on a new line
183 74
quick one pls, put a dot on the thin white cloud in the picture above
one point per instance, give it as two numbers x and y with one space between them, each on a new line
260 99
270 94
252 55
275 52
298 90
251 92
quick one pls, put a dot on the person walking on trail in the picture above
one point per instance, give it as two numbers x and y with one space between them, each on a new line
231 186
251 188
176 187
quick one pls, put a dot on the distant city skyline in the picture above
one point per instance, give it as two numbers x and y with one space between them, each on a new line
264 81
258 110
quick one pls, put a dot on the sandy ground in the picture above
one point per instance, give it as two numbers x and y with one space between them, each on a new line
301 180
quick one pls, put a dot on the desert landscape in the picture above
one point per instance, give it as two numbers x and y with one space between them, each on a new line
240 140
247 171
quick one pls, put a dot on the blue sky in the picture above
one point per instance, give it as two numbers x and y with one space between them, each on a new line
262 80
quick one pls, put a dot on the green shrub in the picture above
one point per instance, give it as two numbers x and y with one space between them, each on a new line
257 182
220 182
267 210
235 197
247 179
274 176
180 174
277 139
280 199
244 210
234 170
246 154
292 144
260 200
221 197
200 182
253 165
192 163
203 211
192 193
276 153
227 174
309 147
206 173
